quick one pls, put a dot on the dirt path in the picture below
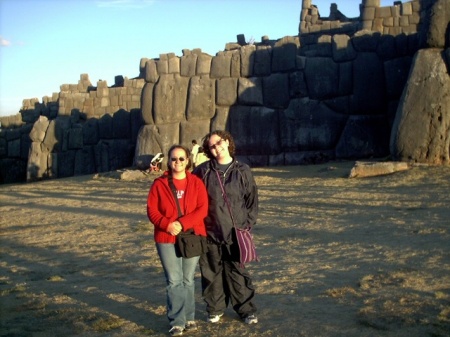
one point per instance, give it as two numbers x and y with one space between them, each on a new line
339 257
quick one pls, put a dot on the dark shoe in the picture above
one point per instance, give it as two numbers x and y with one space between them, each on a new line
176 331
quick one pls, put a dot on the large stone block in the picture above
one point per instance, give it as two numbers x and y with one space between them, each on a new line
121 125
284 55
170 97
396 73
386 47
276 90
421 130
173 63
255 130
203 64
14 148
65 164
201 99
369 90
193 130
90 132
56 136
136 122
39 129
75 137
226 93
247 54
345 86
151 71
3 148
235 64
310 125
342 48
105 127
221 65
12 171
364 137
121 154
220 119
188 64
322 77
84 161
153 139
366 41
250 91
263 61
434 25
147 103
297 84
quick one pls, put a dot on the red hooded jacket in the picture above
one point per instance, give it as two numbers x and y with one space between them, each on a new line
162 209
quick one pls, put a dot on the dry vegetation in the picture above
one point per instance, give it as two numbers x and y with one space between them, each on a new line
339 257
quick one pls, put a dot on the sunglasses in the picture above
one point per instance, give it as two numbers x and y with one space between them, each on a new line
181 159
219 143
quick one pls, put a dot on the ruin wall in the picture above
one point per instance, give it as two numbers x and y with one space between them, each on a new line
320 96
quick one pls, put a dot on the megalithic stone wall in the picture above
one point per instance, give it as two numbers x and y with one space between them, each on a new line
325 94
400 18
80 130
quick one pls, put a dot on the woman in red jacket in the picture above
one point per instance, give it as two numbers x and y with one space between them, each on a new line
163 213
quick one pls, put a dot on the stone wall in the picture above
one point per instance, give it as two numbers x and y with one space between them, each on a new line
400 18
323 95
80 130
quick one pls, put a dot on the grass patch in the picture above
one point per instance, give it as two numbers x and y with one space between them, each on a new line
107 324
56 278
20 288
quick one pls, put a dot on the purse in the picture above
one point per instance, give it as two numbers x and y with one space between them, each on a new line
243 238
187 244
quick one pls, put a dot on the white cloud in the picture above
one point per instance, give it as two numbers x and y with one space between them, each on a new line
4 42
124 4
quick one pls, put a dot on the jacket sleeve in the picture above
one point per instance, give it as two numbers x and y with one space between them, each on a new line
198 199
158 205
251 198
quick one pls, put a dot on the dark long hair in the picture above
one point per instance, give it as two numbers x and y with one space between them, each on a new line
186 151
225 135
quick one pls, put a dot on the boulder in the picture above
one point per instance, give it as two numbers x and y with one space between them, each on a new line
421 130
371 169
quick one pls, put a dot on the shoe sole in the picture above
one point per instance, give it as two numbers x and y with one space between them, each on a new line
252 322
215 320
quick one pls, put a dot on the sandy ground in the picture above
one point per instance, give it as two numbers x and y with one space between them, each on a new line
339 257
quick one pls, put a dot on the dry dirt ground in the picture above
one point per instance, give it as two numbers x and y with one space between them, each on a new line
339 257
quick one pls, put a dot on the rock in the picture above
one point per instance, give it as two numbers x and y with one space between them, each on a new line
131 175
371 169
421 130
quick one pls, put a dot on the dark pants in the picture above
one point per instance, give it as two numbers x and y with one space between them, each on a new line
223 280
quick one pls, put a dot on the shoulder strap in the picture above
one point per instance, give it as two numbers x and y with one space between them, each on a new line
224 194
174 192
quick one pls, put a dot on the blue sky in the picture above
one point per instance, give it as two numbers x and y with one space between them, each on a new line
46 43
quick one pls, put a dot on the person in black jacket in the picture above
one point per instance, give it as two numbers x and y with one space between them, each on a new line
223 279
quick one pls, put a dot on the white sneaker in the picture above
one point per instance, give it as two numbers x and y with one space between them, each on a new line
176 331
251 319
191 326
214 318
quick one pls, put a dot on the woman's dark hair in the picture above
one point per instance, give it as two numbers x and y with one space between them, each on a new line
225 135
186 151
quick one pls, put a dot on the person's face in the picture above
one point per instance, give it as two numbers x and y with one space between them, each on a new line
178 160
218 146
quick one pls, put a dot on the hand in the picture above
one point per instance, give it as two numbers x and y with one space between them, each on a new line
174 228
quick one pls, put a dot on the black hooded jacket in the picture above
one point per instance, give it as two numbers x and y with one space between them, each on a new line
242 193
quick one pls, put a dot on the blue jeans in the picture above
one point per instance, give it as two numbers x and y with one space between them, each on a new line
180 288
